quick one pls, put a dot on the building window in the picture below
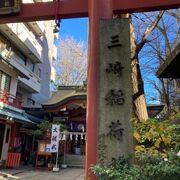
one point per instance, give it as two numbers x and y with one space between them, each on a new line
21 57
5 46
30 102
31 67
13 52
39 72
19 95
5 81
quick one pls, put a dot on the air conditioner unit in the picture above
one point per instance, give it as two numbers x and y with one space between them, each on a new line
10 6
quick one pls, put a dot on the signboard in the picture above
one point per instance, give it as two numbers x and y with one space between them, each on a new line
48 148
53 147
9 6
42 145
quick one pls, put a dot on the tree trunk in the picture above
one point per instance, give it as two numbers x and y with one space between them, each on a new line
139 103
140 109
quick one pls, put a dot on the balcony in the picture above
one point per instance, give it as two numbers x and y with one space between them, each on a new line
32 84
28 80
9 99
38 27
13 60
24 40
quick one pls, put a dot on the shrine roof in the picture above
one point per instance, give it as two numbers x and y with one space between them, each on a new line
65 94
170 68
154 109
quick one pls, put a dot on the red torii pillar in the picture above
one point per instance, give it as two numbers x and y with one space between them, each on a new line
97 9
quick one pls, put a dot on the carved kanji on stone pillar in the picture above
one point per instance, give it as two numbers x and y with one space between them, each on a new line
115 68
115 97
116 130
114 42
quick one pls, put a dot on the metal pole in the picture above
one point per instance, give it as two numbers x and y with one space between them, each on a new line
57 158
64 151
56 169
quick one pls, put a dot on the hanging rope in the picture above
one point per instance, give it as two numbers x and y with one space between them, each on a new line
57 21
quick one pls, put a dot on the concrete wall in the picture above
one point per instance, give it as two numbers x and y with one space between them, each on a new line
47 55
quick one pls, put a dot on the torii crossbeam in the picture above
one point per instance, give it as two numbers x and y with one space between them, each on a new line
94 10
79 8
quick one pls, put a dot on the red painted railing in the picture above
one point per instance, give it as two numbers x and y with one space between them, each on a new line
10 99
13 160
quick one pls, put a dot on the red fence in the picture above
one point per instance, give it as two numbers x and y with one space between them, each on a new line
10 99
13 160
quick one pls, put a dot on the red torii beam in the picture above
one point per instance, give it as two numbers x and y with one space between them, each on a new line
79 8
95 10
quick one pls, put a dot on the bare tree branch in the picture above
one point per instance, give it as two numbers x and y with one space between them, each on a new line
72 62
148 32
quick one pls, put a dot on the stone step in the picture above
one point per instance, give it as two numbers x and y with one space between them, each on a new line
75 156
78 161
75 160
76 165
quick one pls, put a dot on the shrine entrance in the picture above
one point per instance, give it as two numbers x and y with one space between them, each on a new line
68 105
100 101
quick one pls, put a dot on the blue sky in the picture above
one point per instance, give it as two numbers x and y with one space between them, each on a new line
77 28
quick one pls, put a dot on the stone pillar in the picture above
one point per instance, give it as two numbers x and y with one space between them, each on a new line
115 136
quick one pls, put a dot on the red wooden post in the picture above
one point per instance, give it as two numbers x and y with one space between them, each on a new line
98 9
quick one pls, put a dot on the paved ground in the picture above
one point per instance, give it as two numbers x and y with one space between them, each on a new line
65 174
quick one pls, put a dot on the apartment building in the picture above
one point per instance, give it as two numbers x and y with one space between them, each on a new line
27 51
